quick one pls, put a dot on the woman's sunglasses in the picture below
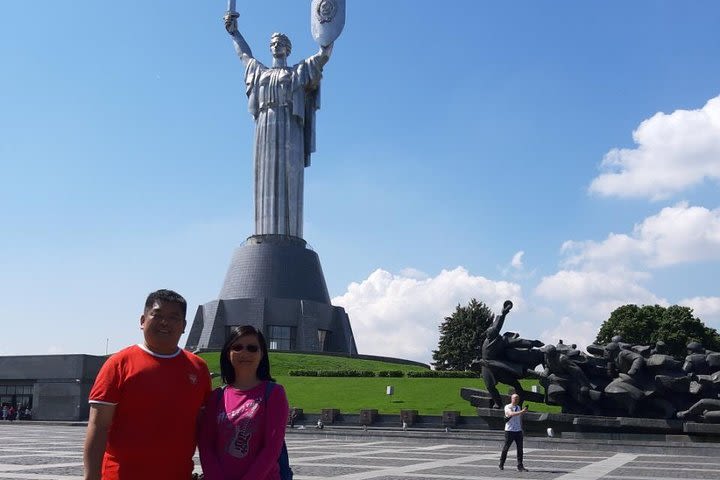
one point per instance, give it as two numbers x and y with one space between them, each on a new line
239 347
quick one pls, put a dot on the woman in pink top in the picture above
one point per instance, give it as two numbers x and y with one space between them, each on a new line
242 432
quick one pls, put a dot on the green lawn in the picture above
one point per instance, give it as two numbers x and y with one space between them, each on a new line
282 363
430 396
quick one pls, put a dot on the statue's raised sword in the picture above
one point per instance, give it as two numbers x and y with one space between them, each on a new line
231 9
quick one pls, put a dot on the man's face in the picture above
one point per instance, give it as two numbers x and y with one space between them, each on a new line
514 399
162 326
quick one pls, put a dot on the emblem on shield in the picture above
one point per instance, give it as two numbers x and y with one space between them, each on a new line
327 19
326 10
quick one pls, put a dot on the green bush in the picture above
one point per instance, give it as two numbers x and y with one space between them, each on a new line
331 373
303 373
442 374
390 373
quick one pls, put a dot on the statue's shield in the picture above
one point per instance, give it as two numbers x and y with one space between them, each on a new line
327 19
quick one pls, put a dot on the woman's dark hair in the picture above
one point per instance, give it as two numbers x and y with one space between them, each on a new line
227 372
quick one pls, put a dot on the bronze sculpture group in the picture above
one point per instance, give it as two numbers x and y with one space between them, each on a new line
617 379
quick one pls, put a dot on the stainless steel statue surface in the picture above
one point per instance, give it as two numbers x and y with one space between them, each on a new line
283 99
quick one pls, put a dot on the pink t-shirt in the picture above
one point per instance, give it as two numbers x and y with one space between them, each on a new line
241 434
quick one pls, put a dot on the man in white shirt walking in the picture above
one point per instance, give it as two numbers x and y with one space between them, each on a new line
513 432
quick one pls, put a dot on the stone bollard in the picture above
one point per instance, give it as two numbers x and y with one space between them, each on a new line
295 415
367 416
328 415
450 418
408 417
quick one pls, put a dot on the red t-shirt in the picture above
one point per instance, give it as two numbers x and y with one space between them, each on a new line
157 399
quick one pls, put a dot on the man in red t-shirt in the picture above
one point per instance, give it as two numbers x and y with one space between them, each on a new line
145 402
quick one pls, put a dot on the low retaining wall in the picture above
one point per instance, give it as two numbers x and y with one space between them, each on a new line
677 445
450 419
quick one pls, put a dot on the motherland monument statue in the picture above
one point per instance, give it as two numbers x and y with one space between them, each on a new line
274 281
282 100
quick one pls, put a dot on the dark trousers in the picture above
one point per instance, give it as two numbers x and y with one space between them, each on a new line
510 437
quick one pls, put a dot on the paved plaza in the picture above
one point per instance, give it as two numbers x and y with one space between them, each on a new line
47 452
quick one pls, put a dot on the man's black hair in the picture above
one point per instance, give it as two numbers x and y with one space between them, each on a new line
168 296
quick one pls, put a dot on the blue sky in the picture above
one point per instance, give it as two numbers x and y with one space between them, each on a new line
563 154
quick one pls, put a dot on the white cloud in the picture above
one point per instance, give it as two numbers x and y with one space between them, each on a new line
706 309
414 273
515 269
674 152
516 261
399 316
597 277
675 235
581 333
585 300
592 295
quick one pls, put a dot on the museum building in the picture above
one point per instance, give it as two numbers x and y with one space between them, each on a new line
55 387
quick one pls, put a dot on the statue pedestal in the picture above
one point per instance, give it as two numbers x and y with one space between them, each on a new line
276 284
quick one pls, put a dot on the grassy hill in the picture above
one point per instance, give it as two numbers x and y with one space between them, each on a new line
282 363
430 396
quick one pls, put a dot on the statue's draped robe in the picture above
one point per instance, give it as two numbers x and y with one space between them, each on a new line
283 101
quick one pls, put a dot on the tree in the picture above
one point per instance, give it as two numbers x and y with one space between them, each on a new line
461 336
646 325
679 327
634 324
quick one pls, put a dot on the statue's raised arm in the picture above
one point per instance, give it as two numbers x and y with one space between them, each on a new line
493 330
326 52
241 46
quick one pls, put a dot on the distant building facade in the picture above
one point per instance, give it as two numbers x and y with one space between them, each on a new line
55 387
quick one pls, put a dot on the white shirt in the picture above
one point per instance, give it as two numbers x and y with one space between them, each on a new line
515 423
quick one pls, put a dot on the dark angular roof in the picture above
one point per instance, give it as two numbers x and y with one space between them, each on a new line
274 266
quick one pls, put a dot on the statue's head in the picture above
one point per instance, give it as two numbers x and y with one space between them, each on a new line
611 350
550 351
280 45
